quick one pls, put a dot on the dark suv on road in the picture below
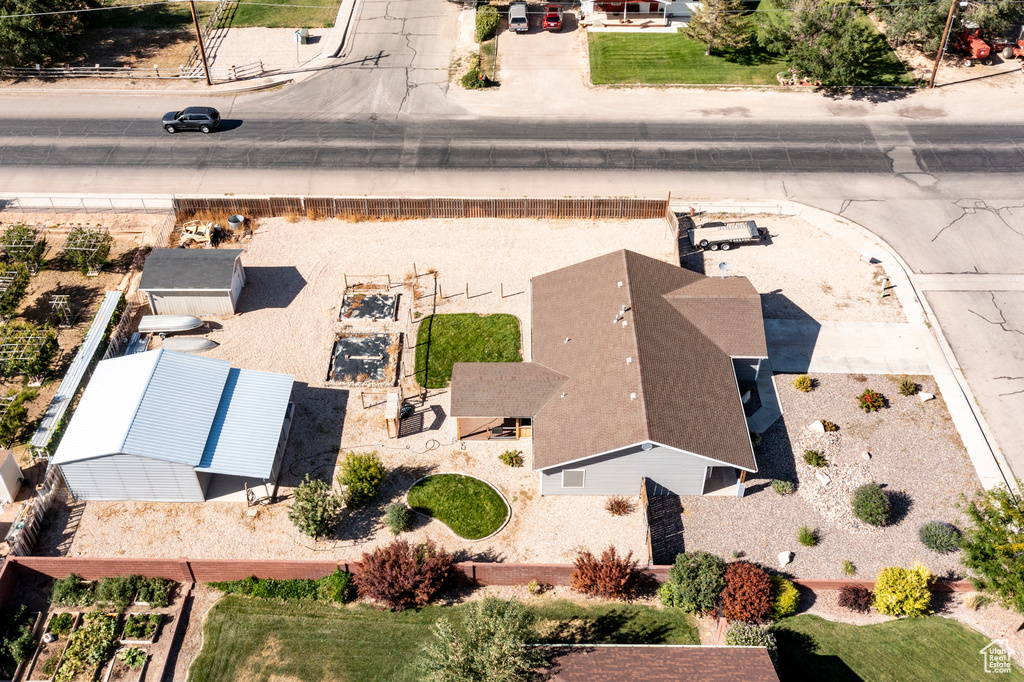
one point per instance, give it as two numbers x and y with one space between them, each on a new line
203 119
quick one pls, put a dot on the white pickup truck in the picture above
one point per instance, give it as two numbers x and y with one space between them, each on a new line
718 235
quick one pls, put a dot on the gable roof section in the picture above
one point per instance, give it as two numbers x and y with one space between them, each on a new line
189 269
158 404
502 389
683 380
246 428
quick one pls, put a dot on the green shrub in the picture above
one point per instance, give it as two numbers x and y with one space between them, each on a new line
829 426
17 276
487 21
119 591
23 244
783 487
786 597
815 459
72 591
871 504
993 544
748 634
848 567
695 582
903 591
908 387
38 344
13 420
97 243
155 591
315 509
756 439
803 383
512 458
61 623
807 537
337 587
133 657
398 518
475 78
363 474
939 536
17 642
871 401
141 625
534 588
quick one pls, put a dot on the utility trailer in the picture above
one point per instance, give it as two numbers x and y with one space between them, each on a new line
718 235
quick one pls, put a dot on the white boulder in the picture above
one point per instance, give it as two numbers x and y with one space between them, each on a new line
865 455
816 427
785 558
925 397
823 479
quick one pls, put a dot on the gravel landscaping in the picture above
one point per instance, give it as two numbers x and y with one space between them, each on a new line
915 453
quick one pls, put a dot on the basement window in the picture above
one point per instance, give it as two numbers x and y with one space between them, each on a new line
573 478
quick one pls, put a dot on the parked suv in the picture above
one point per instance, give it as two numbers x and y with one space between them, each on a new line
553 18
517 20
203 119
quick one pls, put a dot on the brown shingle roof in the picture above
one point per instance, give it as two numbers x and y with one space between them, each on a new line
502 389
680 368
663 664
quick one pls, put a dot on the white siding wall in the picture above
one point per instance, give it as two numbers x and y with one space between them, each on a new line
619 473
192 303
237 282
127 477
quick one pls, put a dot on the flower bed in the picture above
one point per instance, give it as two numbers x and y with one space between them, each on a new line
141 628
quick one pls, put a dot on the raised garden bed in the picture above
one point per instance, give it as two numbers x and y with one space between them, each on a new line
89 648
471 508
120 671
141 628
364 359
47 657
357 306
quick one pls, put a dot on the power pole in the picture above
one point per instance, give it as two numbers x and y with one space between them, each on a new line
199 37
942 45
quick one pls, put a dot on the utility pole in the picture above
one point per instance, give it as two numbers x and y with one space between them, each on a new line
945 37
199 37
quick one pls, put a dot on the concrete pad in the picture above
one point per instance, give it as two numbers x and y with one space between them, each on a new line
845 347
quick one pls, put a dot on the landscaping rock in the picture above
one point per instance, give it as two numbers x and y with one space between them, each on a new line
785 558
816 427
823 479
865 455
925 397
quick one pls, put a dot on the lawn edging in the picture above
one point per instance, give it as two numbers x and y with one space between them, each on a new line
508 507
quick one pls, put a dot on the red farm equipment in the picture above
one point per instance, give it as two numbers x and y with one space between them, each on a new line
975 49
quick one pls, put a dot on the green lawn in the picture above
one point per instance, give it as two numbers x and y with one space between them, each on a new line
468 506
256 640
923 649
444 340
666 58
280 14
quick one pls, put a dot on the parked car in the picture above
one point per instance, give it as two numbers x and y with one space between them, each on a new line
203 119
553 18
517 19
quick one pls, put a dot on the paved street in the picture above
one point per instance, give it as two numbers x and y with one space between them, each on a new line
933 173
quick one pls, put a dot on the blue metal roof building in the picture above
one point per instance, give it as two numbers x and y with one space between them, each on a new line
158 426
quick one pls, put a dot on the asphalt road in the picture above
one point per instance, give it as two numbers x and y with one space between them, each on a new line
508 145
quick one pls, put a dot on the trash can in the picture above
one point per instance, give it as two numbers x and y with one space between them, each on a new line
302 36
235 221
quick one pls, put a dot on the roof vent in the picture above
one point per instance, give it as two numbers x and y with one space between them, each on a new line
566 340
620 285
563 395
632 396
625 323
629 361
647 446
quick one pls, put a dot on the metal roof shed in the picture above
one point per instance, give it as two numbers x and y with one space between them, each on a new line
155 426
193 281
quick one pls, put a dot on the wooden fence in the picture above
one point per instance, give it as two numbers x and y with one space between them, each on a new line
394 207
647 520
231 73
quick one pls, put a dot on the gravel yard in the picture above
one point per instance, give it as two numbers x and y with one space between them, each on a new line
916 454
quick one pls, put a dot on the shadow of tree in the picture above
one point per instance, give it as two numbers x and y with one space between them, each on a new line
800 659
900 505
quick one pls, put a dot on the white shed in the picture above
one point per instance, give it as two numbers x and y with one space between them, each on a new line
193 281
159 426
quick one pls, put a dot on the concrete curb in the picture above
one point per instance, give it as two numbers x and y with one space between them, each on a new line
989 463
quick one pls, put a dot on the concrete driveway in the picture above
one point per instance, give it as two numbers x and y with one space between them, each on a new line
542 66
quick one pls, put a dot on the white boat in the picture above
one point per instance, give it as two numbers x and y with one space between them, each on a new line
168 324
188 344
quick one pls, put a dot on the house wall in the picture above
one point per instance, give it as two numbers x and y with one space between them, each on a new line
128 477
680 9
191 302
619 473
745 368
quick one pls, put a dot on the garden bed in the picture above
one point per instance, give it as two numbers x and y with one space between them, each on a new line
364 359
119 671
470 507
141 628
369 306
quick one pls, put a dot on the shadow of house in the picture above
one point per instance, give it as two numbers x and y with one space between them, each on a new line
270 287
316 435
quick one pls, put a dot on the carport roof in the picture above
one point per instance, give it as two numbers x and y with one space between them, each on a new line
246 428
189 269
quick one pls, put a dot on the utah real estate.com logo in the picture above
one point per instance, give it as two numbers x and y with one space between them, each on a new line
997 656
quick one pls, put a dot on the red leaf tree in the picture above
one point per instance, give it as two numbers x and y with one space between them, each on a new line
402 575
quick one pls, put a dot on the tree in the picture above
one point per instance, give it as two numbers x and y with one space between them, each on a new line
363 475
820 39
39 40
695 582
993 548
315 509
492 645
922 24
718 24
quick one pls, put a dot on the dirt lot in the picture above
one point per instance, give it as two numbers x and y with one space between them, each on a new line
289 318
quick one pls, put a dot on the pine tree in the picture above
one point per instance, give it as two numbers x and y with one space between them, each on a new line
994 548
719 24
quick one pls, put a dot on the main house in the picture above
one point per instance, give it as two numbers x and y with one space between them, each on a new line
635 374
163 426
